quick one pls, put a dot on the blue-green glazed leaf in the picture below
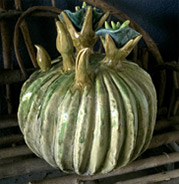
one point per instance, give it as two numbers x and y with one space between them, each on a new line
120 36
77 18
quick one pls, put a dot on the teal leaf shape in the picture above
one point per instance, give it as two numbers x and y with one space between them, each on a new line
120 36
77 18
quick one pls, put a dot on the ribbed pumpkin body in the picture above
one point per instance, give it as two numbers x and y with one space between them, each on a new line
97 129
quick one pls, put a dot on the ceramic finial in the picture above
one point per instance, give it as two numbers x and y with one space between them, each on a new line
86 37
64 45
82 70
114 55
43 58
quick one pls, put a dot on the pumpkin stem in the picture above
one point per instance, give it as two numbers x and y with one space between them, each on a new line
43 58
65 46
114 55
82 76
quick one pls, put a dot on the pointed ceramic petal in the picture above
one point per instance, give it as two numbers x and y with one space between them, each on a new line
69 25
77 8
58 41
136 40
114 27
87 24
128 45
107 26
82 61
125 24
126 49
102 40
110 46
63 42
102 20
82 67
84 5
60 28
43 58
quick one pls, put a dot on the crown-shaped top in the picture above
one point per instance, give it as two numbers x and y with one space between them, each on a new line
80 30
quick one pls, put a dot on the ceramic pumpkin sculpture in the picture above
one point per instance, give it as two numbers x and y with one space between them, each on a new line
88 112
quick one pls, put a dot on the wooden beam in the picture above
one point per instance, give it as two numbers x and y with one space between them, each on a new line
14 151
165 123
8 121
11 139
139 165
133 167
26 167
163 176
70 179
13 76
9 14
165 138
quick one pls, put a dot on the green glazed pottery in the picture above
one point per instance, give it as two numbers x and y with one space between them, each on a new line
88 112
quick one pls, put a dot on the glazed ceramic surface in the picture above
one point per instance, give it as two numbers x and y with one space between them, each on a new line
88 112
